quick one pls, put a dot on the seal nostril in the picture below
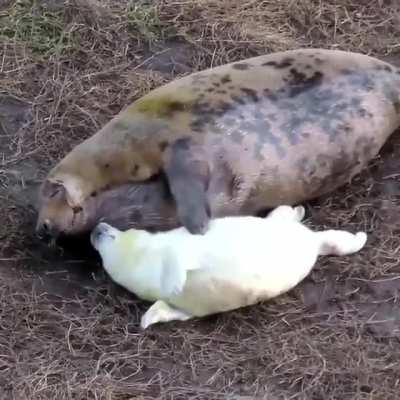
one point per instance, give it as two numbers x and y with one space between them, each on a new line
45 231
43 234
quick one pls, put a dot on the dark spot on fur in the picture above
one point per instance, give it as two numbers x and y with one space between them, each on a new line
345 128
250 93
241 66
197 126
221 91
161 106
314 55
285 63
182 144
202 115
270 64
226 79
216 84
238 99
222 108
318 61
93 194
163 145
301 83
134 169
106 166
210 90
270 95
205 113
362 112
265 136
297 77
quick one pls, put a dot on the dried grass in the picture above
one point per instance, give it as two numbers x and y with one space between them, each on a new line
65 331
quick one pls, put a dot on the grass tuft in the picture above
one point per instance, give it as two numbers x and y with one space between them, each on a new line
142 17
43 30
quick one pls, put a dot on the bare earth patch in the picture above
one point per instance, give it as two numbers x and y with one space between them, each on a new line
66 332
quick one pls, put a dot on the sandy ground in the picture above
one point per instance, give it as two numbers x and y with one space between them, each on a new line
66 332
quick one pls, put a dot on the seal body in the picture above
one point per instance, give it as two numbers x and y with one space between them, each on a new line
275 129
238 262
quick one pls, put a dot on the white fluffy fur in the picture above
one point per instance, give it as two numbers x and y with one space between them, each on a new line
239 261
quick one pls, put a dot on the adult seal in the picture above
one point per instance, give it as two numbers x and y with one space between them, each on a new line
275 129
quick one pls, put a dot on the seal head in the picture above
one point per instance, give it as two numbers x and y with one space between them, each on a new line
143 206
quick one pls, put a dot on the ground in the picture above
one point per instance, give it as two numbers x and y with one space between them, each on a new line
66 332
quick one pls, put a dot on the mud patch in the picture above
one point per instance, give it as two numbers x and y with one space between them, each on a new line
14 115
174 58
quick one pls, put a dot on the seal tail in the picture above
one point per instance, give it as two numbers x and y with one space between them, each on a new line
340 243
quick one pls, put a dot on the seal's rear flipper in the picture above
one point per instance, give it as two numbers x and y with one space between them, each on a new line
341 243
188 175
160 311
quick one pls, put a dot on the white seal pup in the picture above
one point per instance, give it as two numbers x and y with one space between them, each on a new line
239 261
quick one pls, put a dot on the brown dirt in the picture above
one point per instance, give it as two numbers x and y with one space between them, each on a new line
66 332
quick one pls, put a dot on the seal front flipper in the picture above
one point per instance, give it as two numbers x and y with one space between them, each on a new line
188 174
175 268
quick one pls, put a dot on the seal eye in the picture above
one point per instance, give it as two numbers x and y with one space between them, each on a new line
51 190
